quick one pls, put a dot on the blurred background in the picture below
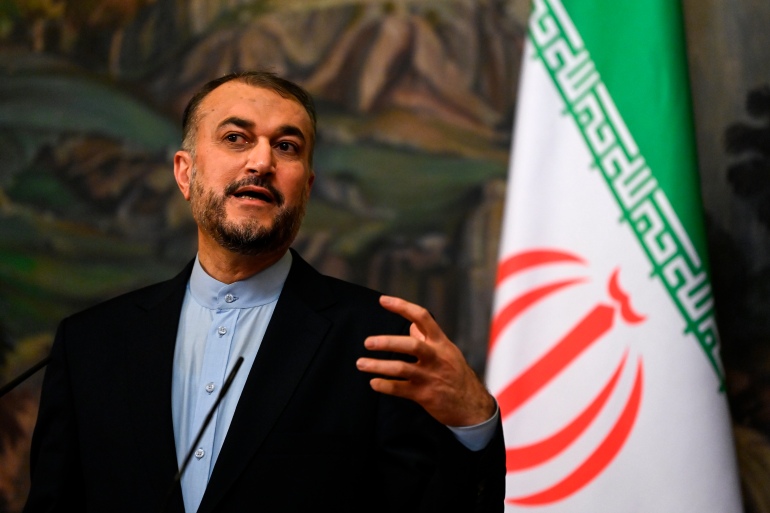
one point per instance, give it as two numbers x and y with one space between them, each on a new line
416 102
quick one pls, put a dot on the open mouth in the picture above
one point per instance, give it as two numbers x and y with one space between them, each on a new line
254 193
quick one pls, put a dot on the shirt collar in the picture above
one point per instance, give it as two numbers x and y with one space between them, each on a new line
260 289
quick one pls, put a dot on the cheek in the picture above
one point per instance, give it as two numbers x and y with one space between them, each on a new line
219 169
215 184
296 187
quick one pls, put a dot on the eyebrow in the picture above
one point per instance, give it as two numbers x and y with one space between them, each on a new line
291 130
239 122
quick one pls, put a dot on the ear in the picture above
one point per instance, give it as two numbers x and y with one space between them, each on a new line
183 165
310 180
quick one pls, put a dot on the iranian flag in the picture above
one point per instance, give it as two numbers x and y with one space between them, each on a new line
604 353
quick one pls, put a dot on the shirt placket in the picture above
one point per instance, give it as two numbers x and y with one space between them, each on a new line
215 358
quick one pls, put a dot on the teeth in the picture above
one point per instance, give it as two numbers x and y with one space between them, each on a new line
252 194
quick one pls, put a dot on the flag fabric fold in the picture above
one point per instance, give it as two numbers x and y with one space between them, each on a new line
603 351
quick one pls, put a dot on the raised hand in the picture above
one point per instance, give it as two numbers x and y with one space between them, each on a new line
440 379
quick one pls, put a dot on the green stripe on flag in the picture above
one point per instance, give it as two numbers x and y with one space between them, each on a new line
649 166
639 50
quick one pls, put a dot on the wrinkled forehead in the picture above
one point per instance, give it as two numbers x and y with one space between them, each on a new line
258 104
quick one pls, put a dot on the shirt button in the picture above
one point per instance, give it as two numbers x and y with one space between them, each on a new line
230 298
222 331
210 387
200 453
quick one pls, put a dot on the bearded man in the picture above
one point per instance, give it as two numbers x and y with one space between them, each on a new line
346 400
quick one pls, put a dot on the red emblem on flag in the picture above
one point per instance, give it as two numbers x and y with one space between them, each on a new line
598 321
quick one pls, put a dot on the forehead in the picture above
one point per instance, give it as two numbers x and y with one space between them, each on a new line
262 106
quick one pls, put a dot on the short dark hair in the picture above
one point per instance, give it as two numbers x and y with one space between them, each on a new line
256 78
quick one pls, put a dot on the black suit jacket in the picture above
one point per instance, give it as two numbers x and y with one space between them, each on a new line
308 432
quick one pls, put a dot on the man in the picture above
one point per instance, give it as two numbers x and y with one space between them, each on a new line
346 401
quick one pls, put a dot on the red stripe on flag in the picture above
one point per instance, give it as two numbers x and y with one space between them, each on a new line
598 460
527 259
520 458
587 331
520 304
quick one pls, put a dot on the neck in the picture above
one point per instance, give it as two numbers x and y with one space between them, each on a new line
228 267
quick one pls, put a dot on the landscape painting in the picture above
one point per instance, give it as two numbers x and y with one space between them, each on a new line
416 101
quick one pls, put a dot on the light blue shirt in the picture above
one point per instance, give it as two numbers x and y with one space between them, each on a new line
219 323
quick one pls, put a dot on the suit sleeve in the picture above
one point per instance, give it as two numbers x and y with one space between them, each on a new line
428 470
56 473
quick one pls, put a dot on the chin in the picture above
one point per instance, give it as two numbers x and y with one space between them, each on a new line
249 219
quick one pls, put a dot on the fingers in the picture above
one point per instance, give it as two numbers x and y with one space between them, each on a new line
391 368
423 321
418 344
439 379
399 378
415 333
392 387
410 345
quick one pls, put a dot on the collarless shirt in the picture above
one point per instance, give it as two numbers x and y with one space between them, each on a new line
218 323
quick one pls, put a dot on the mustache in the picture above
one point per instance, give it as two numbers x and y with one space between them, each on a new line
256 181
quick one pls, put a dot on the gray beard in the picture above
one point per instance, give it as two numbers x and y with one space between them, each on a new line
249 237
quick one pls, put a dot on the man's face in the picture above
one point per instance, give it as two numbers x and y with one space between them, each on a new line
250 178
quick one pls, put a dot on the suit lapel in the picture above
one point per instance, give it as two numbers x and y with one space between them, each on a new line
292 338
150 356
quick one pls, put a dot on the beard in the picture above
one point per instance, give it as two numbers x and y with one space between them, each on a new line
249 237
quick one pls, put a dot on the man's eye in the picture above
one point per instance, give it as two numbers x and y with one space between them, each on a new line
233 138
287 146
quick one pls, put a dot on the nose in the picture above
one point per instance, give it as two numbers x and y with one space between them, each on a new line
260 158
